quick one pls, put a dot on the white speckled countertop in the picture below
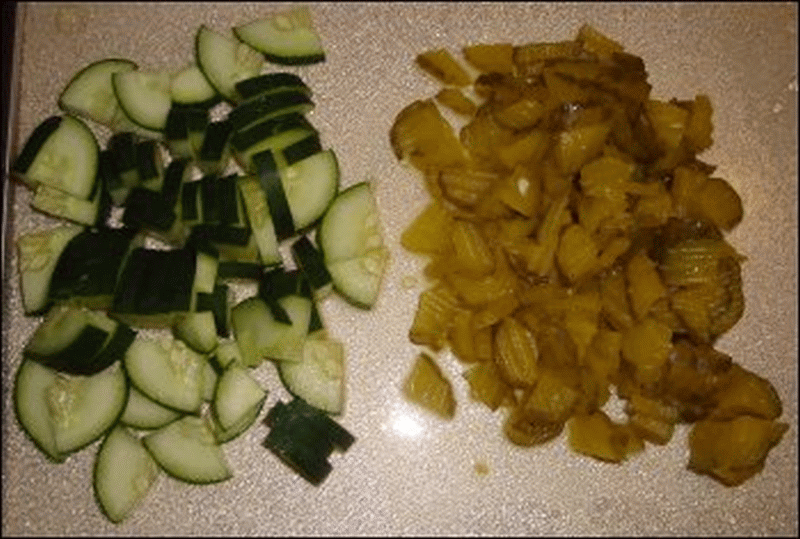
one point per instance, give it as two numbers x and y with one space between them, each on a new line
409 473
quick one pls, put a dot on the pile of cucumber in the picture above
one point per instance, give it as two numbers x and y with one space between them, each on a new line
207 172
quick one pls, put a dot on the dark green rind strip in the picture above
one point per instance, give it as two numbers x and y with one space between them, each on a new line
308 59
251 135
277 203
262 106
173 179
311 262
302 149
271 82
189 206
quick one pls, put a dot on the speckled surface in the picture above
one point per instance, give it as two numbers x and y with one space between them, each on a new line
409 473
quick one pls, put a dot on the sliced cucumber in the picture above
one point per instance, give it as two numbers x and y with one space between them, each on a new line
310 186
352 244
190 87
144 96
271 82
124 472
319 379
89 265
210 378
62 152
275 143
225 61
236 395
167 371
260 335
287 38
77 341
187 450
270 105
64 413
258 215
90 93
198 330
39 253
58 203
310 261
142 412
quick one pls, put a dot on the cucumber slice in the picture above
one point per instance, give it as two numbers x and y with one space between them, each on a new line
198 330
89 265
270 105
310 186
39 253
275 143
142 412
319 379
225 61
310 261
255 204
236 395
226 435
64 413
352 244
78 341
90 93
58 203
62 152
271 82
144 96
210 378
124 472
167 371
187 450
190 87
260 335
287 38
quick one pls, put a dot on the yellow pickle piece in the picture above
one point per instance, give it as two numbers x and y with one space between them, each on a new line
427 387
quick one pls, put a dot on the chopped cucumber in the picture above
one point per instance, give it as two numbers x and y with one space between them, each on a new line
225 61
144 96
236 395
352 245
187 450
64 413
319 378
39 254
62 152
190 87
167 371
287 38
90 93
260 335
124 472
142 412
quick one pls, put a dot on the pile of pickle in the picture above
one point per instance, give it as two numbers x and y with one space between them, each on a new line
576 250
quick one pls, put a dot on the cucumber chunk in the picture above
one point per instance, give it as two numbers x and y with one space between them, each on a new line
287 37
352 245
260 335
90 93
225 61
144 96
142 412
167 371
64 413
190 87
39 253
187 450
124 472
62 152
319 378
236 395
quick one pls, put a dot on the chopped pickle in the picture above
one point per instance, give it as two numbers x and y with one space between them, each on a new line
576 251
427 386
